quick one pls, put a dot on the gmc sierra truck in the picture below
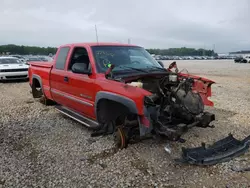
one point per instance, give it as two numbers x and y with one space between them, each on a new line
122 90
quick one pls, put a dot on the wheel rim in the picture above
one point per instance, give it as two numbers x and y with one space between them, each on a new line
120 138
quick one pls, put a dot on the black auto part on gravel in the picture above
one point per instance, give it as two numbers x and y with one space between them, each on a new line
221 151
243 169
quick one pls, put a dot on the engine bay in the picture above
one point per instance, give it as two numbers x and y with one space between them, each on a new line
173 106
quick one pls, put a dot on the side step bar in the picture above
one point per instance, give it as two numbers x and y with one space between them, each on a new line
76 116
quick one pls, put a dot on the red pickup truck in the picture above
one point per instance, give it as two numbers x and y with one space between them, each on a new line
122 90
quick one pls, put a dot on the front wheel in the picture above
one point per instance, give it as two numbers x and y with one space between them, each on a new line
120 138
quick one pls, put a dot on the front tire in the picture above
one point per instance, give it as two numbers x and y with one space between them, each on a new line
120 138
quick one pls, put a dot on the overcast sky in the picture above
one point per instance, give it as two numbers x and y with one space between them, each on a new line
151 24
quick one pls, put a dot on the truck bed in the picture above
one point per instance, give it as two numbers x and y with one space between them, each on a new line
41 64
41 71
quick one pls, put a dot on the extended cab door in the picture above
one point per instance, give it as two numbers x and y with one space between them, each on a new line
59 79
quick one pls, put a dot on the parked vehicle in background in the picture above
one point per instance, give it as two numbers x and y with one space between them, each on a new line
33 58
45 58
21 58
39 58
247 58
240 60
11 68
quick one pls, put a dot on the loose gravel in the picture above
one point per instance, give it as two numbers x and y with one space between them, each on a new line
39 147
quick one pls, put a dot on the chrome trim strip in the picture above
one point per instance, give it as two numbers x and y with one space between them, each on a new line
72 98
81 116
46 88
73 117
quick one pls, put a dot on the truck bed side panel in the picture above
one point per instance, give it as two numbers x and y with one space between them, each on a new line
42 73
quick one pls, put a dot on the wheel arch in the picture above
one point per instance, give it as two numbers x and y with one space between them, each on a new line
36 79
114 102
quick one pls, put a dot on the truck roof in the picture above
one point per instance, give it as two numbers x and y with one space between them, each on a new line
99 44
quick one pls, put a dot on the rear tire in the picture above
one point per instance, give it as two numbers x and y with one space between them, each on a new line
46 101
37 92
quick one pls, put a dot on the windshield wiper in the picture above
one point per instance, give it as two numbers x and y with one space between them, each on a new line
154 67
132 68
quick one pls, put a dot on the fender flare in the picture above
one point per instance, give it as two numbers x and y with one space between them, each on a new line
35 76
38 78
130 104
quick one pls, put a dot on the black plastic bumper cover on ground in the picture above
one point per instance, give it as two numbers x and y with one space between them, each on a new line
221 151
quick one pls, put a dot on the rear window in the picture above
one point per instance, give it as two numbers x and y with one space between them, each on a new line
10 61
62 57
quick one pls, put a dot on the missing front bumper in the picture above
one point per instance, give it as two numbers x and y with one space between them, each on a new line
221 151
174 130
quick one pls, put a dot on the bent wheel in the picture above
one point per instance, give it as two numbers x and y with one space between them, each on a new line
120 138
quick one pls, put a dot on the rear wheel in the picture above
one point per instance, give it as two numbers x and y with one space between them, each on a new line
46 101
37 92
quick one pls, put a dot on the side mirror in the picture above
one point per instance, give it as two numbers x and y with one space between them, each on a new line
81 68
161 63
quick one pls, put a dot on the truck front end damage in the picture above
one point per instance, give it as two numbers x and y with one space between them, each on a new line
176 105
169 102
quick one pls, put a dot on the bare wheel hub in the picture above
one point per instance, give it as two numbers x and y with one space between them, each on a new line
120 138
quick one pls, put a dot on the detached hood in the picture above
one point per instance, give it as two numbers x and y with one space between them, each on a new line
13 66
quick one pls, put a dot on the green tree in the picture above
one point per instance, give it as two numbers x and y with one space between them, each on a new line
27 50
183 51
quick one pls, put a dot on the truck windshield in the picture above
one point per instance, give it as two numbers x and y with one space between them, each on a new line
124 58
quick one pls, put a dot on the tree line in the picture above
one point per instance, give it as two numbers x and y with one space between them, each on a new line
26 50
35 50
182 52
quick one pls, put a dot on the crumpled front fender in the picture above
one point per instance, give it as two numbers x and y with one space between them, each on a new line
202 86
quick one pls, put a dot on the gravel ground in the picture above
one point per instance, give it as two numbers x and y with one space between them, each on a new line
39 147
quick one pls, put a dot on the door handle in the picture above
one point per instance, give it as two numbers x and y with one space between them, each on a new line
66 79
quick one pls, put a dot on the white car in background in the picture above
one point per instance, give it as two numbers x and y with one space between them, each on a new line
12 68
247 57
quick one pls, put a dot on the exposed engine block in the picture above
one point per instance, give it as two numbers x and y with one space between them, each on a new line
173 105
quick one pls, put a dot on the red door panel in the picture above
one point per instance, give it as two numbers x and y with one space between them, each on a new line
81 90
59 87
